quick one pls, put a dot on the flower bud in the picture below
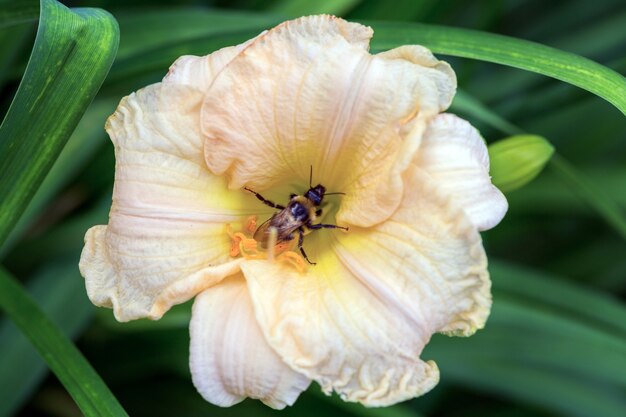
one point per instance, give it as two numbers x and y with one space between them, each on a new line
516 160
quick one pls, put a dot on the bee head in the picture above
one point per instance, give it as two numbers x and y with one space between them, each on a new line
316 194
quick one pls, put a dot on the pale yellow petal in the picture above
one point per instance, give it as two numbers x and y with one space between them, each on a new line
308 94
166 238
332 328
200 71
455 155
229 357
358 320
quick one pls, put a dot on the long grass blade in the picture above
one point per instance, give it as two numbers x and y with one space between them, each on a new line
465 104
602 203
68 364
518 53
87 139
72 54
22 368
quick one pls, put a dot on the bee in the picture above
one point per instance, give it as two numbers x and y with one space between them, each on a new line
297 217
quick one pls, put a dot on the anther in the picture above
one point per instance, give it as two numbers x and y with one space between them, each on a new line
251 223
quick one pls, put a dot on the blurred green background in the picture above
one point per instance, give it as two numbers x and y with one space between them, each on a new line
555 344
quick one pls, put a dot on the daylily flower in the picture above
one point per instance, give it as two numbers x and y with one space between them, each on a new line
259 115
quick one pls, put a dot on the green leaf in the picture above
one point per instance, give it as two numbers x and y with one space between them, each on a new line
518 53
71 56
54 289
87 139
64 359
553 118
465 104
593 39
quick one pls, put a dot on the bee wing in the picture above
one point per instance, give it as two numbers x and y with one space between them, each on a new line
263 231
284 225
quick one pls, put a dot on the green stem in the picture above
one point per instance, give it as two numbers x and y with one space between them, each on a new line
602 203
76 374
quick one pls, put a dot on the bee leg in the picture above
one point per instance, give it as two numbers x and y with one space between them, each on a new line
265 201
300 240
325 226
318 212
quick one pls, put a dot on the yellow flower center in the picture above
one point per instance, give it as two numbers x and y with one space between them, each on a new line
243 244
267 244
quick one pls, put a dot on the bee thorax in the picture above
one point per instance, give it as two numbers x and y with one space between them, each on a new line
299 212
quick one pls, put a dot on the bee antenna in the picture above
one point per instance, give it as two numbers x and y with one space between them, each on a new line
311 176
334 193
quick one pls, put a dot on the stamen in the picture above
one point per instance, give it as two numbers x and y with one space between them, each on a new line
242 244
234 247
294 259
251 223
246 242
